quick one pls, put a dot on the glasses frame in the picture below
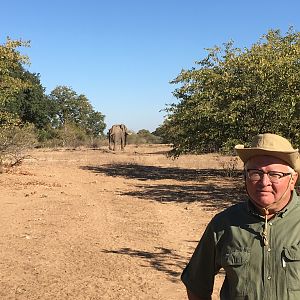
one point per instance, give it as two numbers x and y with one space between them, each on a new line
261 173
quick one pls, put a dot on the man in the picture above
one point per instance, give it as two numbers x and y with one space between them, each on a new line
257 242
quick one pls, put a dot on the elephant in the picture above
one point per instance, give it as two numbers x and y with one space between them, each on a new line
117 134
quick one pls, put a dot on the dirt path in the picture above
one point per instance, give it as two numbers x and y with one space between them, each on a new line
92 224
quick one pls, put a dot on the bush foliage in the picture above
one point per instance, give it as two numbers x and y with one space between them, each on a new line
61 118
14 142
233 94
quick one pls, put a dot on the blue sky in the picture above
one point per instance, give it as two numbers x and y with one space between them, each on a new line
122 54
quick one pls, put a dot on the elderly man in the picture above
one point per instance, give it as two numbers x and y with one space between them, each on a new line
256 242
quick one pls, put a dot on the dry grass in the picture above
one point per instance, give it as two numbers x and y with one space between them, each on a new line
96 224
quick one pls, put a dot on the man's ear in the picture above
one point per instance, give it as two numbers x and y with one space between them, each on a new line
294 179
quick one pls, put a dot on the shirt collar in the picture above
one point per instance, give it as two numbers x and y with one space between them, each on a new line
289 207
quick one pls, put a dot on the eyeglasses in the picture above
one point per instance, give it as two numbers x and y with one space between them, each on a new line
274 176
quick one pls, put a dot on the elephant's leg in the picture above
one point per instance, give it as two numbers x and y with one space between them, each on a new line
110 140
122 142
115 144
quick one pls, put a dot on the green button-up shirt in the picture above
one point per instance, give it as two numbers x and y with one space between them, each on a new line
233 241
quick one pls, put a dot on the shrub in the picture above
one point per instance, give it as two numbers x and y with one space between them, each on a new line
14 142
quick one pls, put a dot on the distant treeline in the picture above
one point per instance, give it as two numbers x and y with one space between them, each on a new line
229 96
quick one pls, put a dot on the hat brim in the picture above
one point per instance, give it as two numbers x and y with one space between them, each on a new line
290 157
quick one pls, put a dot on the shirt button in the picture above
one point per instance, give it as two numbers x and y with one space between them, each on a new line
269 249
269 277
270 223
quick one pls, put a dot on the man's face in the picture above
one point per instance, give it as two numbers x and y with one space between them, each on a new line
263 192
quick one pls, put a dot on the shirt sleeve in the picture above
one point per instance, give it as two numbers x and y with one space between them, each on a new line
199 274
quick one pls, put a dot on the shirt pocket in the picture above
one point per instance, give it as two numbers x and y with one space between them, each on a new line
291 264
236 265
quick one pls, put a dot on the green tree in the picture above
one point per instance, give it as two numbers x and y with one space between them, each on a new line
23 103
163 132
22 97
148 137
76 109
235 93
94 124
16 134
64 101
32 105
11 83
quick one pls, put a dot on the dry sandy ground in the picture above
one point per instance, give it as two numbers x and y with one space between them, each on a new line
94 224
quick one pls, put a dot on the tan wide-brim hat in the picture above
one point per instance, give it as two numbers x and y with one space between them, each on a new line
273 145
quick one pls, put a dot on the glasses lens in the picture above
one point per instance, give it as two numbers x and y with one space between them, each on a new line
255 175
274 176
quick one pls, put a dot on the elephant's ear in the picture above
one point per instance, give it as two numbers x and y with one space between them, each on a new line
124 128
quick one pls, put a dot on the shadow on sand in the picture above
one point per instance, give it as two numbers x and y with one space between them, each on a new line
212 187
162 259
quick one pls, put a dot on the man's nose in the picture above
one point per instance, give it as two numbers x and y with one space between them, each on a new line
265 180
